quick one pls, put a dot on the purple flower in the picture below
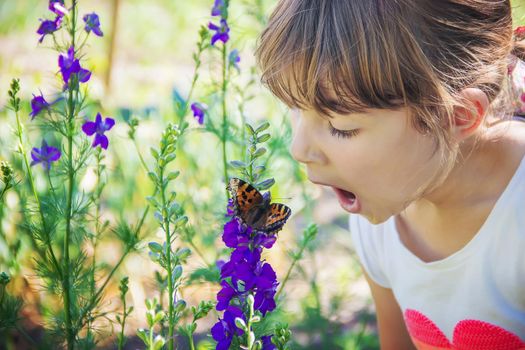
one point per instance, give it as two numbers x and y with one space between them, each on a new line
38 103
235 233
70 65
230 208
221 33
198 111
218 8
224 330
266 284
239 257
234 59
267 343
45 155
225 295
92 24
58 7
48 27
99 128
264 300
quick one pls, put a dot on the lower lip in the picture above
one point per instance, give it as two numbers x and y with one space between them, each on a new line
350 205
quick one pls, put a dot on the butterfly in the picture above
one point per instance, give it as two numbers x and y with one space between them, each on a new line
255 210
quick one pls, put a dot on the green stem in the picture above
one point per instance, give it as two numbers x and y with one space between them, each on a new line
70 336
249 327
190 94
97 231
168 260
83 42
121 338
224 116
192 87
144 165
190 338
296 258
151 338
50 182
49 246
95 297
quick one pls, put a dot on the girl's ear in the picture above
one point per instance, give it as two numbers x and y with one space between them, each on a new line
467 119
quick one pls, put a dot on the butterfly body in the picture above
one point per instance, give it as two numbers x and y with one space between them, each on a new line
256 209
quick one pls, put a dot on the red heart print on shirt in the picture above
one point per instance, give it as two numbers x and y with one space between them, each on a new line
468 335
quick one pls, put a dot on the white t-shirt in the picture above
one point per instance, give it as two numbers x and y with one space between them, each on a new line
472 299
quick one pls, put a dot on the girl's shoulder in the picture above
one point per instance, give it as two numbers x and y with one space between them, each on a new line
516 137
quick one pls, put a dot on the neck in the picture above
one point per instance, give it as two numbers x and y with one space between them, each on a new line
481 172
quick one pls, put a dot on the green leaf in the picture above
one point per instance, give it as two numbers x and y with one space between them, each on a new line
173 175
155 247
250 129
179 306
158 342
141 333
182 254
237 164
259 152
180 222
264 185
149 318
177 272
262 127
154 153
153 176
159 316
263 138
170 157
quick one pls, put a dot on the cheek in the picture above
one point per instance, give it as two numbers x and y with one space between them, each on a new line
396 167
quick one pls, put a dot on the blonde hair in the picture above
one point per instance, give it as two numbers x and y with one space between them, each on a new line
385 54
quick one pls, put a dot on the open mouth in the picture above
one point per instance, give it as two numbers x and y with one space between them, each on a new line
348 200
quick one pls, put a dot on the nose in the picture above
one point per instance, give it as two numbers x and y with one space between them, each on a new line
303 147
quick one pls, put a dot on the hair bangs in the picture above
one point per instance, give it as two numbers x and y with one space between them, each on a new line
314 55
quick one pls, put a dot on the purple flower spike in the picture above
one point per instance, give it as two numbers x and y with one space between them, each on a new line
218 8
38 103
92 24
48 27
45 155
221 33
99 128
70 65
58 7
234 59
198 111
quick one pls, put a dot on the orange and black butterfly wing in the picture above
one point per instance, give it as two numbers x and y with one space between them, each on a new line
245 198
277 215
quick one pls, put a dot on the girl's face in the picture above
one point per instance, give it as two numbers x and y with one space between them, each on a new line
384 163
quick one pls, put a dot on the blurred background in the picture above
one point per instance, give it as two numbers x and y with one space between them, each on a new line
140 66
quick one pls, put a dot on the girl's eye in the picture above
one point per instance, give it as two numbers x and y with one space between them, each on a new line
342 133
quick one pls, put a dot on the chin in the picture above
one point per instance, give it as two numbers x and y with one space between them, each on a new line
376 218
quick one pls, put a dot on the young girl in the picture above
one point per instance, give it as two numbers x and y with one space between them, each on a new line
403 108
